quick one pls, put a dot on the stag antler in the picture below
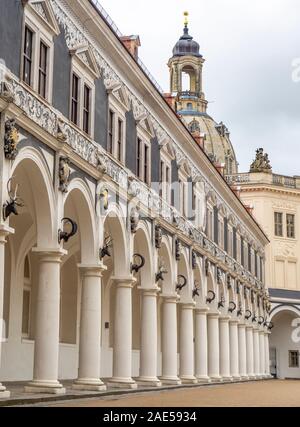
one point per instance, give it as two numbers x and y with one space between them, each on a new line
179 285
137 267
64 235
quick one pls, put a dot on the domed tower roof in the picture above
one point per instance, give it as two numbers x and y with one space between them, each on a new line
186 46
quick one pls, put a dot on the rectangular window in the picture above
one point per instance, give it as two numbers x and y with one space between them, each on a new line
168 183
111 120
27 56
138 158
146 164
86 109
249 258
26 312
43 64
75 99
293 359
278 224
290 226
120 139
242 252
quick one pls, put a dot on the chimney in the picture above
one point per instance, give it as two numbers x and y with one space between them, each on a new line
170 100
220 167
250 209
132 44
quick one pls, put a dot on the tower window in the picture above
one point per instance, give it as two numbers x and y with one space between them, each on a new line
28 51
189 106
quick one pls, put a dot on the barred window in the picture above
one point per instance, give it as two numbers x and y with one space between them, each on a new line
290 226
278 216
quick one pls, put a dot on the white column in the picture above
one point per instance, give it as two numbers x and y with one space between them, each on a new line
250 351
201 361
148 355
262 359
187 364
267 353
234 350
242 352
256 353
122 351
224 348
90 330
46 343
169 340
3 234
213 346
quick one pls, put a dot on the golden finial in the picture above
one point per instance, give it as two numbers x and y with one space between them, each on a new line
186 18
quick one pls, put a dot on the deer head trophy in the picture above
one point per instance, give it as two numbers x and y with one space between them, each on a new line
11 207
106 249
66 235
248 314
211 298
232 307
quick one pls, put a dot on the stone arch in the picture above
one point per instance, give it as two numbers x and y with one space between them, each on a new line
200 283
184 269
36 188
143 246
79 202
165 257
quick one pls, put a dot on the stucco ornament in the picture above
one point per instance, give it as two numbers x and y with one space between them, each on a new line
261 162
158 237
11 139
134 219
64 174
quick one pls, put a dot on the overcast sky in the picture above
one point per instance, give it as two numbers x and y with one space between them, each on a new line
249 47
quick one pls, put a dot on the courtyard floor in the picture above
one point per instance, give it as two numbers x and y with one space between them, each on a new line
272 393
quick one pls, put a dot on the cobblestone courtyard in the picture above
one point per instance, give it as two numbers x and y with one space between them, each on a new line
267 393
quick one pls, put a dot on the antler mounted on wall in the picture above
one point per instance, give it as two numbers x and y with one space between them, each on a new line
212 298
181 283
248 314
160 275
65 235
221 304
137 266
11 207
232 307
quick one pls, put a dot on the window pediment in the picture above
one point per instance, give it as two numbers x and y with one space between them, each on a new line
44 11
147 126
87 59
121 95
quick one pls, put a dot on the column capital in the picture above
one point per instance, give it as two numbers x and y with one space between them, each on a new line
234 321
242 325
172 297
91 270
5 231
124 282
248 326
151 292
224 318
50 254
214 314
187 305
201 310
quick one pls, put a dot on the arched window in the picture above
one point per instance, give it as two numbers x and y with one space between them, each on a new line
186 82
194 126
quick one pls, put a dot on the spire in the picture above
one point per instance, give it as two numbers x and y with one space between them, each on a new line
186 23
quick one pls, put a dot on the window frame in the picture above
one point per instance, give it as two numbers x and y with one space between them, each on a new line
145 140
85 80
293 353
119 115
293 236
165 177
41 34
278 224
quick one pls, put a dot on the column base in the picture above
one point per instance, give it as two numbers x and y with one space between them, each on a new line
216 378
122 383
186 379
89 385
236 378
171 380
149 382
45 387
227 379
244 378
4 394
251 377
203 379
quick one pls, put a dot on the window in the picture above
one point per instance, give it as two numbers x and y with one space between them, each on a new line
111 121
75 99
120 140
249 258
290 226
165 180
26 300
182 197
293 359
209 230
43 70
27 56
86 109
38 49
143 161
278 216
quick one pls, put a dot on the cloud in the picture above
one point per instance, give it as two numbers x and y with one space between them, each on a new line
249 49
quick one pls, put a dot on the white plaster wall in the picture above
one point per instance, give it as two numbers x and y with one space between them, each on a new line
281 340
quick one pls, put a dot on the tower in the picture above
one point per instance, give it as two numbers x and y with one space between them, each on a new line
187 98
